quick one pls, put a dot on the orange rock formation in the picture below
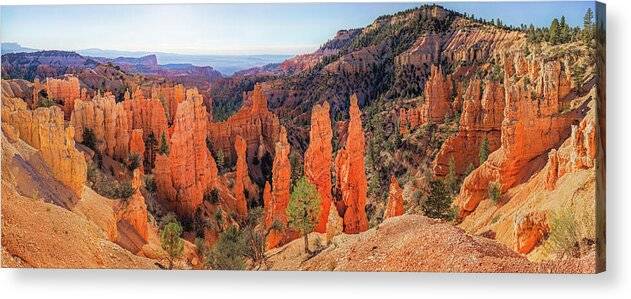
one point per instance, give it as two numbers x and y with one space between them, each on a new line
137 144
351 173
531 229
482 115
188 171
240 177
437 102
45 131
254 122
66 90
281 181
319 160
580 154
534 122
133 212
394 207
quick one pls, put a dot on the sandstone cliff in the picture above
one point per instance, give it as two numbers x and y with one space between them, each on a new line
44 130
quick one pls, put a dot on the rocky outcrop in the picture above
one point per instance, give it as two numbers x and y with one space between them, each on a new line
436 105
240 177
253 122
481 118
535 121
281 182
351 173
580 153
133 211
45 131
530 230
137 144
188 171
65 90
170 97
319 159
394 206
108 121
146 114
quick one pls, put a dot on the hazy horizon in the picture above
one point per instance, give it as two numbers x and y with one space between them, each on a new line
232 29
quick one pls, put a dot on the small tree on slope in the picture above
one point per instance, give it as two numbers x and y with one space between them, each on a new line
303 209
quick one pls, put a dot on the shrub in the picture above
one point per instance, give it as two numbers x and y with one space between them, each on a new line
150 184
212 196
494 191
564 234
45 102
125 190
164 145
89 139
171 242
133 161
228 252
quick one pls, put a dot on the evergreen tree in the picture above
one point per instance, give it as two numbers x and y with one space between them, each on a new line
553 34
438 204
171 242
588 26
303 209
164 145
484 150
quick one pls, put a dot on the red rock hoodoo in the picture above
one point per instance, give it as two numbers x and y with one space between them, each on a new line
281 181
66 90
240 177
351 174
133 212
188 171
437 102
319 160
394 206
579 154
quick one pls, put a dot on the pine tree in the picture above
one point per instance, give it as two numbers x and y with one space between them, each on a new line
303 209
553 35
164 145
588 26
484 150
171 242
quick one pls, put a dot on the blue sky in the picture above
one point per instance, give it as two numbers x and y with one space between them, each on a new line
231 28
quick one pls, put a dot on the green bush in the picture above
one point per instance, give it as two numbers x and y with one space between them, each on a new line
228 252
171 242
564 234
133 161
89 139
212 196
495 192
